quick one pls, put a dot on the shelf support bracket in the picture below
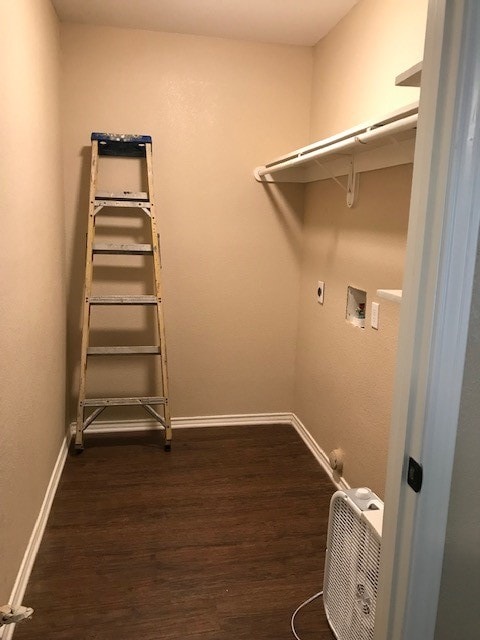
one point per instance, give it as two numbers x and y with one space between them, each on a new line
330 174
352 184
352 181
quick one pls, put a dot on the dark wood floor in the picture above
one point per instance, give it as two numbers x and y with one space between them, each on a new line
220 539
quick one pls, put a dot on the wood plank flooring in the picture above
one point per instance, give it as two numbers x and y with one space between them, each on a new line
220 539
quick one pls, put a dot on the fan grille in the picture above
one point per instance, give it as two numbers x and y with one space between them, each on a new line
351 578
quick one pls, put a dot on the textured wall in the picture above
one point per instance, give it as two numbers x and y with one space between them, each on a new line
344 375
32 332
231 248
344 380
357 62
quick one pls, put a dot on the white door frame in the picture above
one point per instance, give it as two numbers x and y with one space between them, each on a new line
440 264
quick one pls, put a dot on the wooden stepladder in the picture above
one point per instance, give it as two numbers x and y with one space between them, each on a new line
120 145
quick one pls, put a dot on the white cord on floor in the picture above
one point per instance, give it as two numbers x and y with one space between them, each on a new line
292 621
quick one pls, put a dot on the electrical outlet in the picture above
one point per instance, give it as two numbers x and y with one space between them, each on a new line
374 315
320 291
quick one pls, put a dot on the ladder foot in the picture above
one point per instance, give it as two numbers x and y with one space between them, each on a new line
167 446
79 448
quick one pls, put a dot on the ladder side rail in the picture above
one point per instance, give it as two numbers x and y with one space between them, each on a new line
157 266
87 291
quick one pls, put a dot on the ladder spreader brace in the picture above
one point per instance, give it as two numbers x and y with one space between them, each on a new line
130 146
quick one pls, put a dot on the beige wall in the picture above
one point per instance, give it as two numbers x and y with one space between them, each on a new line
357 62
231 248
344 375
32 333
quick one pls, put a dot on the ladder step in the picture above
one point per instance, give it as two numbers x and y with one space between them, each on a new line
143 204
123 351
122 195
120 300
104 402
118 249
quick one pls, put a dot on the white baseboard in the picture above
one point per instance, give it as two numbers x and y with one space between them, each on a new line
193 422
317 451
106 426
26 567
239 420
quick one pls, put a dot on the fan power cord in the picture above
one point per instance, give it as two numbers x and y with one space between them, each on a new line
304 604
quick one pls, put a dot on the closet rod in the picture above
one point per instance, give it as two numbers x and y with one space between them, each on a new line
359 141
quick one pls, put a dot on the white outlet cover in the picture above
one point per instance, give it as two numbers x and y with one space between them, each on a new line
374 315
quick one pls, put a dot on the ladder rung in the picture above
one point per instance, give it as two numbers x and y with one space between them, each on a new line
102 402
122 195
144 204
117 249
123 351
123 300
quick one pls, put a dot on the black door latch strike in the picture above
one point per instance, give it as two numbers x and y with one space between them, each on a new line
414 474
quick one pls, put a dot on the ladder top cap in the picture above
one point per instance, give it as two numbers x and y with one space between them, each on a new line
121 137
125 145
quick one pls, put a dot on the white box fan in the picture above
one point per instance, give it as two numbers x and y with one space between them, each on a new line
352 562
